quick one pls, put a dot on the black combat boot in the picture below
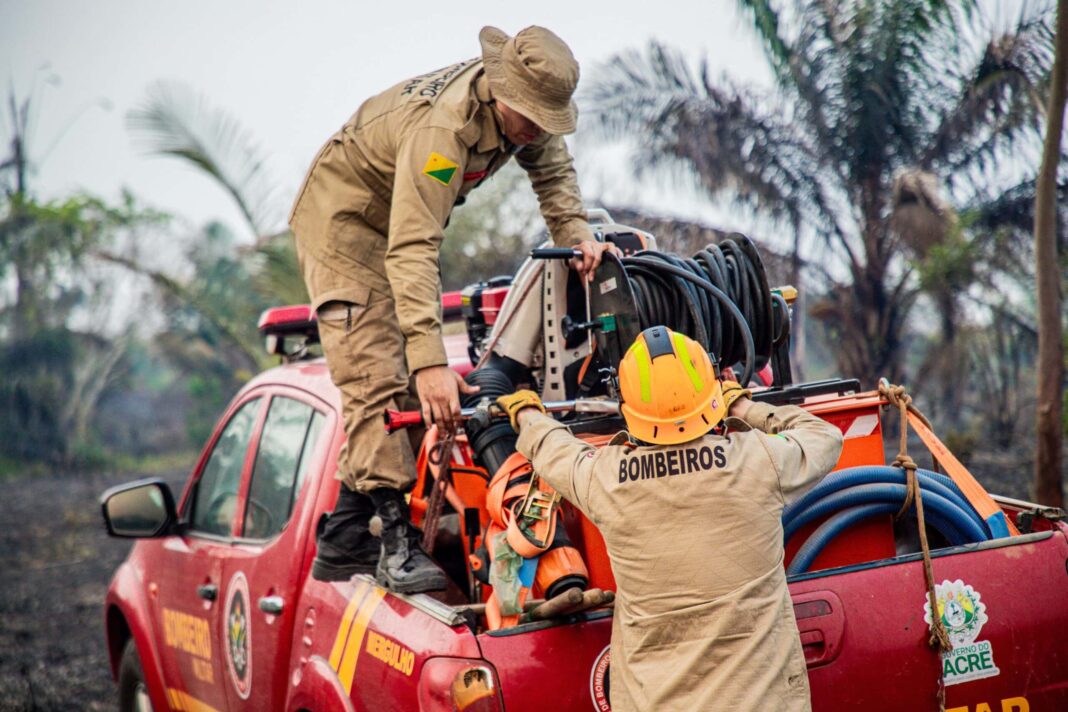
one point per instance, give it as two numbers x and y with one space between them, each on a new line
403 566
346 547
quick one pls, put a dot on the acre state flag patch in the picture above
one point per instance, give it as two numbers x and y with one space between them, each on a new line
440 168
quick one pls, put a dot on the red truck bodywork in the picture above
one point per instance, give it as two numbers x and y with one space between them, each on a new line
184 599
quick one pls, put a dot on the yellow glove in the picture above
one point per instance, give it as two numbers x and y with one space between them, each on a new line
512 404
732 391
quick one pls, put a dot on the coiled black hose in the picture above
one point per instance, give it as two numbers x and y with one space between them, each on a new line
719 297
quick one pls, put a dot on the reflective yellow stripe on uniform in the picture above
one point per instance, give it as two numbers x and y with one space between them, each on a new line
355 642
683 354
346 623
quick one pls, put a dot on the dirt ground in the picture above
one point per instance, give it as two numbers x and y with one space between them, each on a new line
55 564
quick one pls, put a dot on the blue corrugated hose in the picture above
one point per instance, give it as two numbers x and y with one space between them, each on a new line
855 494
850 477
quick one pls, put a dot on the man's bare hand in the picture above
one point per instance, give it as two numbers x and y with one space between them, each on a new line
591 256
439 389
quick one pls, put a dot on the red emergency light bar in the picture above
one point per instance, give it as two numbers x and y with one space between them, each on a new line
292 319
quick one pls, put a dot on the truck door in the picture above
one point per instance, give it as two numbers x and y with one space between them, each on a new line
189 573
865 629
264 565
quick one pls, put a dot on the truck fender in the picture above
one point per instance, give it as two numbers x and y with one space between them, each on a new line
318 688
126 605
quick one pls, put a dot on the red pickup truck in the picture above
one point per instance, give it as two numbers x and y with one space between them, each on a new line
215 607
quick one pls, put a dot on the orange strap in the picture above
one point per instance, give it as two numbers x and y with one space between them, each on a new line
543 528
504 498
974 492
499 490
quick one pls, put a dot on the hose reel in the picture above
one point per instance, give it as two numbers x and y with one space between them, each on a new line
719 297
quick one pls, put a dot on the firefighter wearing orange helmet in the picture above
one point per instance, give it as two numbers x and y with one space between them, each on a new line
691 521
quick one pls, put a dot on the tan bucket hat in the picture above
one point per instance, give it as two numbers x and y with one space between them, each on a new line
533 73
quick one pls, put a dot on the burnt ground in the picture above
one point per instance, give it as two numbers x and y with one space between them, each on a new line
55 564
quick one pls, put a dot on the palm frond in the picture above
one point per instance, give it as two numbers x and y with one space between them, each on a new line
277 275
802 45
204 305
175 121
768 26
886 82
998 100
1014 209
717 132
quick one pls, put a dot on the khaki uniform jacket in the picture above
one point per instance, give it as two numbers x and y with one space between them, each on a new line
703 617
371 213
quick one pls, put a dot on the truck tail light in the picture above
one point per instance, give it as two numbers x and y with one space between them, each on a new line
458 685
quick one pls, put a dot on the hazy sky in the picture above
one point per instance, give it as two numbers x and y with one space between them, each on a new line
292 72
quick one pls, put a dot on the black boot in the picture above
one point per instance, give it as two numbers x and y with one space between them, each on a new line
346 547
403 566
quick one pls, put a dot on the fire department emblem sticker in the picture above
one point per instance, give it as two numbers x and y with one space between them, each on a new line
599 681
238 646
963 614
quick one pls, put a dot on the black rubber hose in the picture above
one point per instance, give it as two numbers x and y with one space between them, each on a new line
492 439
652 263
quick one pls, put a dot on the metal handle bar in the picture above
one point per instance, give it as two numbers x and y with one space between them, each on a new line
554 253
398 419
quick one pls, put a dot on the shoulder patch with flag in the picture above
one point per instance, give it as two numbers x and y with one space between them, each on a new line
440 168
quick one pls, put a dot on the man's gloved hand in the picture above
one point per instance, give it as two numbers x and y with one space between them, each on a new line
512 404
732 391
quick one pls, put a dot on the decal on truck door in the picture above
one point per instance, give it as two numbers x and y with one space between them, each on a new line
190 634
599 681
238 635
963 613
350 634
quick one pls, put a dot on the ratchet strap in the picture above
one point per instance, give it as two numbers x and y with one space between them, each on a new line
524 505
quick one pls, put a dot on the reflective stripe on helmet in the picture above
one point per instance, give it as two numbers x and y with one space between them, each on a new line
683 354
641 358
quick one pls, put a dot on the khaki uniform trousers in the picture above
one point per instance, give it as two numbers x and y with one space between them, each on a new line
364 351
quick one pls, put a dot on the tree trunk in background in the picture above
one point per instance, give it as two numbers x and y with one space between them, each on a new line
797 325
1048 460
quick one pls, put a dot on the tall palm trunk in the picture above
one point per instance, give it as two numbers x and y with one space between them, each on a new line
1048 459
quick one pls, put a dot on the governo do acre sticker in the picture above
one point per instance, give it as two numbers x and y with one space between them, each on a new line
236 624
963 614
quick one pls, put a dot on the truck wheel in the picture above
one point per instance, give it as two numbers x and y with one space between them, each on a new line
133 693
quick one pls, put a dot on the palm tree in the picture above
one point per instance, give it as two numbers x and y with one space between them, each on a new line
924 92
232 282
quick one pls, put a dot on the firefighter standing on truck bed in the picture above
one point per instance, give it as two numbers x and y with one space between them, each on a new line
368 223
691 521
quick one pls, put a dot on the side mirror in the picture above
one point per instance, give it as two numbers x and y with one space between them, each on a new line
139 510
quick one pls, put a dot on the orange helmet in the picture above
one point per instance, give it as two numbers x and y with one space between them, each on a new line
670 388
